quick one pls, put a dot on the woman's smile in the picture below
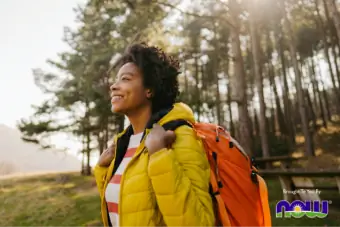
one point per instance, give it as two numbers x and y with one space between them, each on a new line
116 98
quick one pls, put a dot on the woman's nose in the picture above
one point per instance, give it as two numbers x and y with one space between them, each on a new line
113 87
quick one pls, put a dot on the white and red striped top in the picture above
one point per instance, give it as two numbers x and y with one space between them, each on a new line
113 188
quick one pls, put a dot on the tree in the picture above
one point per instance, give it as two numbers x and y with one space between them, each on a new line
301 101
238 80
256 51
331 6
82 91
230 54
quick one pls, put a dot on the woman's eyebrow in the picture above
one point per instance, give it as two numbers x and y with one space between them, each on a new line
125 73
122 74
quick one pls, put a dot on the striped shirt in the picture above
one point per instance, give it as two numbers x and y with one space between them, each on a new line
112 191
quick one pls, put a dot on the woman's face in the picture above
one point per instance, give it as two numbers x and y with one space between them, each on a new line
128 93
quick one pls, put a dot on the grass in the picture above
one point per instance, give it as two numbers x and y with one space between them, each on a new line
50 200
72 200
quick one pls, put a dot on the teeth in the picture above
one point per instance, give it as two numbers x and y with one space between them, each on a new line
116 97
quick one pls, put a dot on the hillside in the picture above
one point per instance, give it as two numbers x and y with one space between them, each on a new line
72 200
18 157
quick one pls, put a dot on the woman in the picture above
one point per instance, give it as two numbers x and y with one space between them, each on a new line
149 176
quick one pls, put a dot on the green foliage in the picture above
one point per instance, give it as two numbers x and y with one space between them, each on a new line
81 89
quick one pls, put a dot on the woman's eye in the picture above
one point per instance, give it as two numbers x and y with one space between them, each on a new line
125 78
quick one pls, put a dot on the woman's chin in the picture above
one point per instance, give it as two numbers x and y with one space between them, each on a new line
116 109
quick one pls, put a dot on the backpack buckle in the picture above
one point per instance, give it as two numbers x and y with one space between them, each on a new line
253 162
253 176
218 129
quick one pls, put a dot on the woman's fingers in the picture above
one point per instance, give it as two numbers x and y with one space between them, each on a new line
170 138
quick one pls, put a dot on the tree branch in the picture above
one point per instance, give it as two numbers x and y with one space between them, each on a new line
190 13
195 14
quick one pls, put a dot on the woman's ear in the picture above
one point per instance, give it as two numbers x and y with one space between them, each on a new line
149 93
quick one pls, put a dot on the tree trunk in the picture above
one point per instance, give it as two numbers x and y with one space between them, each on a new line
83 151
332 9
83 164
311 116
311 110
272 117
231 123
325 96
256 54
335 61
198 97
326 51
336 48
256 124
88 154
317 93
330 68
86 127
336 43
238 88
204 96
106 133
186 84
302 105
328 109
280 116
279 43
101 143
217 81
311 74
333 37
218 103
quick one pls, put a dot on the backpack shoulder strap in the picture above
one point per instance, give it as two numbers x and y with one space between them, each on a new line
173 125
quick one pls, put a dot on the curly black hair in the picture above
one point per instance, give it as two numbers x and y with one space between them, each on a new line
159 70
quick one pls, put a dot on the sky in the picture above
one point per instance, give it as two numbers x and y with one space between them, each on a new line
31 33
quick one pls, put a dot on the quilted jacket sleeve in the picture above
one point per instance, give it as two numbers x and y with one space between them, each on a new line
180 179
100 174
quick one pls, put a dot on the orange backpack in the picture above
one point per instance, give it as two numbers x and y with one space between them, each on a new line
240 194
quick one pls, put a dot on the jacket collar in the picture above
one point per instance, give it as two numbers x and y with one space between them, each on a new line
124 137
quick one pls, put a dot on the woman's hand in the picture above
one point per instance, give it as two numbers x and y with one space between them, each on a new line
158 139
107 156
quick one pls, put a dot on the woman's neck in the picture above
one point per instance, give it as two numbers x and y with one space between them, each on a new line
139 119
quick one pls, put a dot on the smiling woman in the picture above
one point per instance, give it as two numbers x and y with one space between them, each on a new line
128 93
147 176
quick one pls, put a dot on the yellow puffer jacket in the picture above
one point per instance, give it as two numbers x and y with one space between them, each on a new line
169 188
